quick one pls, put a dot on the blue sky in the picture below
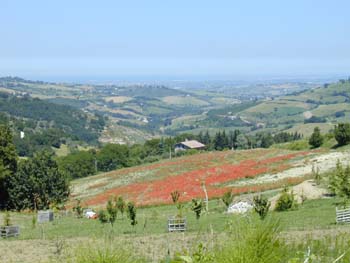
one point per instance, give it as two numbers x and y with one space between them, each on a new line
177 38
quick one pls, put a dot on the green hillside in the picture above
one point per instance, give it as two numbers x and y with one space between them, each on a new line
47 124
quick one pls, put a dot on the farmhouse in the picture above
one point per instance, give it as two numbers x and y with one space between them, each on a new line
186 145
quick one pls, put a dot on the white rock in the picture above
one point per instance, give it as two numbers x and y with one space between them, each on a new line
239 208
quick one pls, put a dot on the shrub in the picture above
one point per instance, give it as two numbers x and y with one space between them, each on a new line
316 174
197 206
261 206
103 216
78 209
175 195
132 213
227 198
286 201
120 203
7 219
112 211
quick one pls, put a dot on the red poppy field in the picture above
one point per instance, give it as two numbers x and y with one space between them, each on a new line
152 184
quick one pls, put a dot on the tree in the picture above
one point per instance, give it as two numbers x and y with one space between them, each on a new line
206 138
339 182
132 213
113 156
197 206
316 138
78 164
37 183
175 195
120 203
78 209
265 140
242 142
218 141
261 206
342 133
227 198
112 211
8 162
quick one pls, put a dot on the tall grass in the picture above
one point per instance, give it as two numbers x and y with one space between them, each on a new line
257 241
252 241
105 253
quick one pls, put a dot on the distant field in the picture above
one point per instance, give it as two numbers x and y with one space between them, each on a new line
184 100
115 133
307 128
186 120
118 99
282 106
224 100
330 109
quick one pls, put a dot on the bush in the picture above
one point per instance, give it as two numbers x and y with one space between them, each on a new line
132 213
261 206
78 209
120 203
286 201
197 206
227 198
103 216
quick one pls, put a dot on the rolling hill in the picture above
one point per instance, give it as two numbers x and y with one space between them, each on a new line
46 124
323 106
139 112
242 171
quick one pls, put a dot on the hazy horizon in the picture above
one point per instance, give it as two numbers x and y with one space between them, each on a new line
90 40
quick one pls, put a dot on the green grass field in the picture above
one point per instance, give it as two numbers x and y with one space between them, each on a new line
66 236
312 215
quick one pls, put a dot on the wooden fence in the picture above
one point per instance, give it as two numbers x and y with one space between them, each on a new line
342 215
176 224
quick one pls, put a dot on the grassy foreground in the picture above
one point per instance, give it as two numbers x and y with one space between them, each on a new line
68 236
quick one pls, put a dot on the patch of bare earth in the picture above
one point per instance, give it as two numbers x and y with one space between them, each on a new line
306 190
323 162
